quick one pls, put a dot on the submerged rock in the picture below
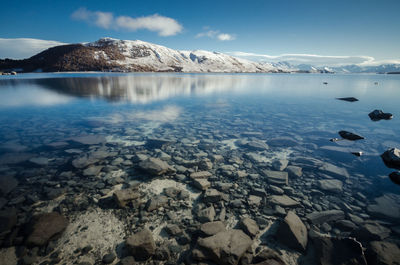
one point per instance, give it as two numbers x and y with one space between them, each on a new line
378 115
155 166
276 177
335 251
249 226
386 206
325 216
349 99
212 228
225 248
141 245
380 253
292 232
123 197
8 219
371 231
7 184
331 185
350 136
391 158
283 200
89 139
44 226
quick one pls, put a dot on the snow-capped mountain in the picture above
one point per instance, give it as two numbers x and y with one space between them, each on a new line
109 54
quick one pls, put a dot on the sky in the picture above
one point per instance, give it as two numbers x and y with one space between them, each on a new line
299 31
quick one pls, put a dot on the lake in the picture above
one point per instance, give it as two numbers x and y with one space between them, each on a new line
114 153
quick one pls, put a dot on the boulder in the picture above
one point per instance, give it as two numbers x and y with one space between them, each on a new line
276 177
338 251
395 177
391 158
225 248
249 226
45 226
141 245
155 166
350 136
256 145
292 232
325 216
378 115
212 228
383 253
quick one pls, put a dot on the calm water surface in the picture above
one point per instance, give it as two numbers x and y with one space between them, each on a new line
41 116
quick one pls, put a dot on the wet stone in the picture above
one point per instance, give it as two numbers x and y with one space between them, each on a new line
92 170
155 166
284 201
141 245
377 115
44 226
123 197
280 165
276 177
294 171
379 252
330 185
292 232
391 157
325 216
40 161
371 231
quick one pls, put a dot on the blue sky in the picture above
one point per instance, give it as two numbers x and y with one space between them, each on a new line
352 30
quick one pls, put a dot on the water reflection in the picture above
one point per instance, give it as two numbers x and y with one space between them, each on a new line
146 88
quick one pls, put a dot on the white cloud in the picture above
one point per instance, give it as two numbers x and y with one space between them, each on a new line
165 26
215 34
225 36
313 59
21 48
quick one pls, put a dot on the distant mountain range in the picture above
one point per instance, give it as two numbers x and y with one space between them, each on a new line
113 55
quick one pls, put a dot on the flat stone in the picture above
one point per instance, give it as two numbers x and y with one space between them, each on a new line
292 232
335 170
212 195
330 185
201 184
284 201
249 226
155 166
89 139
7 184
379 252
123 197
256 145
141 245
386 206
226 247
325 216
92 170
212 228
276 177
44 226
294 171
200 175
40 161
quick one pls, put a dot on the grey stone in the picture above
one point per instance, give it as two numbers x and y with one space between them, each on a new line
212 195
206 215
212 228
284 201
141 245
325 216
7 184
155 166
44 226
330 185
225 248
276 177
201 184
123 197
294 171
249 226
292 232
383 253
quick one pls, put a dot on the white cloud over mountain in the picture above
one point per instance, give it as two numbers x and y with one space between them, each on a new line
215 34
21 48
164 26
314 59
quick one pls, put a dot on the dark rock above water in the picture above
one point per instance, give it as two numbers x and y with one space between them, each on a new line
391 157
378 115
395 177
350 136
349 99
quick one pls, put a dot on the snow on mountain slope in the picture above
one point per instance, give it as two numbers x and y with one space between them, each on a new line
159 58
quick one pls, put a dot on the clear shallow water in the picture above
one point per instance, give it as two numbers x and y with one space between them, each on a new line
208 114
